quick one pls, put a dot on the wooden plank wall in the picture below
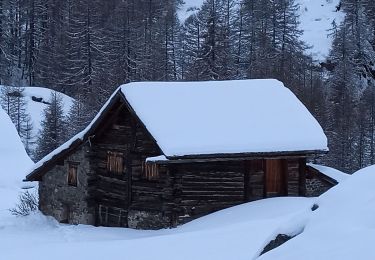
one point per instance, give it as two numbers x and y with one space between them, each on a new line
202 188
123 134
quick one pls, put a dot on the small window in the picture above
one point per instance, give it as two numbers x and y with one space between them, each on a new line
150 171
72 174
115 162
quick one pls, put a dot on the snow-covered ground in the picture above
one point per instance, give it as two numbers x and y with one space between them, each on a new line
14 164
237 233
342 228
14 160
316 17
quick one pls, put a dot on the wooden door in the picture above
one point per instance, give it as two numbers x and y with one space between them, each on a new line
275 178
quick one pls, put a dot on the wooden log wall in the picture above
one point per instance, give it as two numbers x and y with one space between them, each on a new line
129 190
293 177
202 188
255 184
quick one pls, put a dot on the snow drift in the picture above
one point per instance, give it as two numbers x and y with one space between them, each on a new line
14 160
343 226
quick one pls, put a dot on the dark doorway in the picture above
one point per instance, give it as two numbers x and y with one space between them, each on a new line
65 214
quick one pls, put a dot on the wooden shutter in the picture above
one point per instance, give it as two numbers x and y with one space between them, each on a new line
72 174
150 171
115 162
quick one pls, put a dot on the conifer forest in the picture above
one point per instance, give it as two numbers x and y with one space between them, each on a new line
87 48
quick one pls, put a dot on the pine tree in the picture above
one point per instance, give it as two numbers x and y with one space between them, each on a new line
77 118
53 132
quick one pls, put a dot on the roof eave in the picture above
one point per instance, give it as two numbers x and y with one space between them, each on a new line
303 153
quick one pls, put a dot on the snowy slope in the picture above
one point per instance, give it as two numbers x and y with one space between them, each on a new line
35 109
316 17
13 158
14 163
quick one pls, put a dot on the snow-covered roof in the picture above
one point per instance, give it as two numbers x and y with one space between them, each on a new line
224 117
160 158
332 173
215 117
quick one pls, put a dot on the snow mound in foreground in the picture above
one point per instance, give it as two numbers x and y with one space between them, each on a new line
342 228
238 233
14 160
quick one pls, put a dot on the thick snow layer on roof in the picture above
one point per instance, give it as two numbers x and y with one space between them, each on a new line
244 116
157 158
316 18
14 160
334 174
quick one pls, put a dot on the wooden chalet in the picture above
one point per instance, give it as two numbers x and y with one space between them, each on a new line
161 154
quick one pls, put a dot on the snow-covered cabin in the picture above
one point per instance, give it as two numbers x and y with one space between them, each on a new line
159 154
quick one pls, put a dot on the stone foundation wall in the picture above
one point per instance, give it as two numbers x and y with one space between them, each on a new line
316 187
147 220
61 201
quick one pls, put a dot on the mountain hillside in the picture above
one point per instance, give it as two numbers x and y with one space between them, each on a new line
317 18
37 100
